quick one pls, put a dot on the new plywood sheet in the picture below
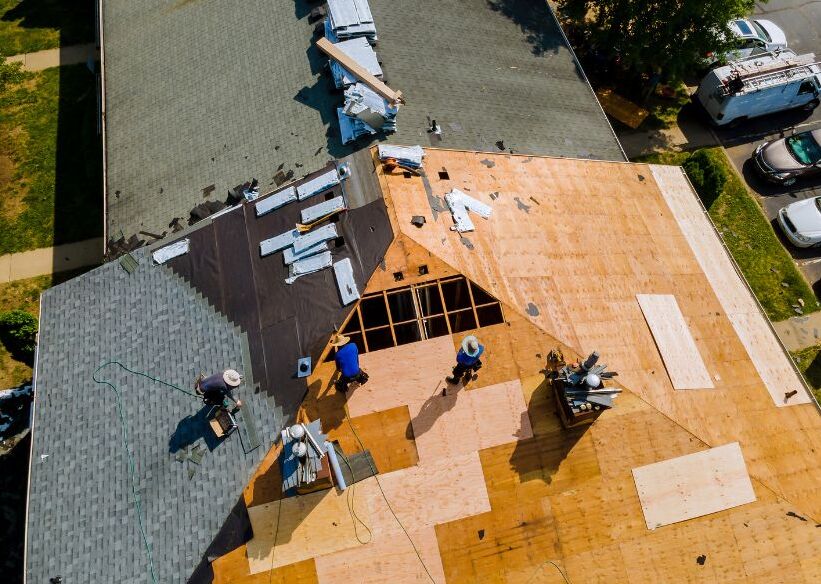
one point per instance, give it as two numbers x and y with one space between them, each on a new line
426 495
674 341
766 353
693 485
467 421
386 560
404 375
298 528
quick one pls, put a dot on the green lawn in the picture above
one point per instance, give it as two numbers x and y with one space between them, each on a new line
33 25
809 363
751 240
50 160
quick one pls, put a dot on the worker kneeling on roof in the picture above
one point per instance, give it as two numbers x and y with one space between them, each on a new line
217 390
347 362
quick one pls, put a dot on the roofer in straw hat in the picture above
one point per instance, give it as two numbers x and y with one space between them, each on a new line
467 359
347 363
217 389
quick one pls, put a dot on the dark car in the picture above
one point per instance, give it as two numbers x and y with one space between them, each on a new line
786 159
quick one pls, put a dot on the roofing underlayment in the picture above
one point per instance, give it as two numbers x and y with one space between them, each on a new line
481 483
227 94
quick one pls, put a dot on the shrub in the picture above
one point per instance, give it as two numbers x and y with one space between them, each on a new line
707 174
18 330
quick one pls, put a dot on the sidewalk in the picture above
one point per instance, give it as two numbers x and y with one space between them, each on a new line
55 57
50 260
799 332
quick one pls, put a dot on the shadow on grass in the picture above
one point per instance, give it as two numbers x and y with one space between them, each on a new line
74 20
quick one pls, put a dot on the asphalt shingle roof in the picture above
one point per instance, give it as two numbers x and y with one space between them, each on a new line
81 520
204 93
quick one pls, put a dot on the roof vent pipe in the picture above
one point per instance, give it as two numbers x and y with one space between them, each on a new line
340 480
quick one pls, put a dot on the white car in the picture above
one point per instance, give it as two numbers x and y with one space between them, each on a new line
801 222
752 36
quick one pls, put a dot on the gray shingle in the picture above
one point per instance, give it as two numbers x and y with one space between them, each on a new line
202 93
81 521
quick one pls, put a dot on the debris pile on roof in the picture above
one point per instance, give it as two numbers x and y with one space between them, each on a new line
167 252
349 19
305 249
459 204
410 156
364 113
580 390
360 50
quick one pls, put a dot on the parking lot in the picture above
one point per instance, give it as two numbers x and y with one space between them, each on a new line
801 21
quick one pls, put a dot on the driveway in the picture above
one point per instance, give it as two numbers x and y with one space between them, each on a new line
801 21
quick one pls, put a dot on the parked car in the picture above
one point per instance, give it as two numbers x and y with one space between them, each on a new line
787 159
801 222
751 36
760 85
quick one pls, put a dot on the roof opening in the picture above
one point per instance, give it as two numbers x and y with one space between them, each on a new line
398 276
417 312
423 270
443 175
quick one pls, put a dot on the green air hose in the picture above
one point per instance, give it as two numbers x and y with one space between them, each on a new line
127 447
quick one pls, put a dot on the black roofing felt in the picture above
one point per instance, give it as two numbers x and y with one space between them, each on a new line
221 305
283 321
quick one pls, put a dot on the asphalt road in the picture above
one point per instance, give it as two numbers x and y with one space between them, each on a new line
801 21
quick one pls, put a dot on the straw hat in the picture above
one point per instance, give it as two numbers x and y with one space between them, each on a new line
470 345
339 340
231 378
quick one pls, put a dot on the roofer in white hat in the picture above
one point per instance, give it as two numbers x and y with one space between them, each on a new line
467 360
217 389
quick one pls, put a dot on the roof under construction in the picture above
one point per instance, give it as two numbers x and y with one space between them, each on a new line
704 470
227 94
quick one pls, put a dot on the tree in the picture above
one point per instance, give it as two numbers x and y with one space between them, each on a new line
10 73
656 38
18 332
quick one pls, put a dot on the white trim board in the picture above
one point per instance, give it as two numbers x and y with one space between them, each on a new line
693 485
674 341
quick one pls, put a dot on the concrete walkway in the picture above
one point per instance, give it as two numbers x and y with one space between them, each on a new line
800 332
50 260
55 57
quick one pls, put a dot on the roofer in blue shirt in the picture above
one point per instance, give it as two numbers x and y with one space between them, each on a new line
467 360
347 363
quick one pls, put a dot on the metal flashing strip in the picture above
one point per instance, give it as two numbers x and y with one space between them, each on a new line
312 238
461 220
275 201
291 256
343 270
168 252
316 185
281 241
311 214
309 265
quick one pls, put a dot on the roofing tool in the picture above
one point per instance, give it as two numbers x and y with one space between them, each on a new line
305 227
392 164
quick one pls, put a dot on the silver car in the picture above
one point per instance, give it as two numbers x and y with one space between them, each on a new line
801 222
787 159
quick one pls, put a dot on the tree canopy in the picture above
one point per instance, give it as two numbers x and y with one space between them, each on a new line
665 37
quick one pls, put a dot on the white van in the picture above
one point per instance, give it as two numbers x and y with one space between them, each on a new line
759 85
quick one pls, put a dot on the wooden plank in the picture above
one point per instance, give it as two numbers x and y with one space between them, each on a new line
693 485
327 47
674 341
